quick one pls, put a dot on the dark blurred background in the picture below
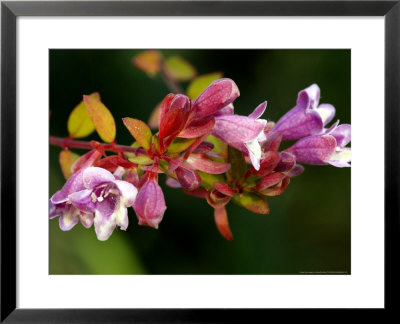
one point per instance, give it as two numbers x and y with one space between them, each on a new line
308 228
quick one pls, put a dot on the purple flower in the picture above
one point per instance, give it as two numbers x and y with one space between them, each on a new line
342 155
150 204
69 215
326 148
107 197
306 118
243 133
60 205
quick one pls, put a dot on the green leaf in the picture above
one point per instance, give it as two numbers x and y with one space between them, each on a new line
238 164
179 69
67 159
101 117
163 165
135 144
198 85
141 159
253 202
139 130
79 121
156 142
148 61
208 180
251 182
218 144
180 144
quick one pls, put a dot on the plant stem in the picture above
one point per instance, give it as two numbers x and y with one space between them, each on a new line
85 145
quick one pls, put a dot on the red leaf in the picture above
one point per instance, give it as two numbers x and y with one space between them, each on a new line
217 199
198 127
270 180
152 168
78 164
111 163
221 220
225 189
272 143
180 101
164 107
268 163
278 189
172 123
174 164
198 193
206 165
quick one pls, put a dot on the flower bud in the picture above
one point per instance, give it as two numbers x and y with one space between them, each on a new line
189 179
218 95
150 204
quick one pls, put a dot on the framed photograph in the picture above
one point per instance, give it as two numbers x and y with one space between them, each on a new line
197 161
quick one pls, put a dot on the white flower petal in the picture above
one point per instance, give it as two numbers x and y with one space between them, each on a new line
341 155
121 217
254 150
128 192
69 219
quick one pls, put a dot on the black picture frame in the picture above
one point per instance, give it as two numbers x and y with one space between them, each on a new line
10 10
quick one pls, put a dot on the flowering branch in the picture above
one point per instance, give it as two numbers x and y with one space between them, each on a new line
202 147
67 142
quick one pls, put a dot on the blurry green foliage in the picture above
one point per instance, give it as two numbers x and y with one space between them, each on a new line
179 69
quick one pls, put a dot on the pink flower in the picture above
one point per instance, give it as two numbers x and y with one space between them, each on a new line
243 133
107 197
306 118
326 148
150 203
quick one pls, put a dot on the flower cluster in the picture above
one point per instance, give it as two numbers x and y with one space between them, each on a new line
306 123
205 149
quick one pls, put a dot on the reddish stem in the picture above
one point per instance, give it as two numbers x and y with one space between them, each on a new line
68 142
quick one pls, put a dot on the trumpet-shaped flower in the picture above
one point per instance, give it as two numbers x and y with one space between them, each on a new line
107 197
243 133
306 118
342 155
60 205
69 215
326 148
